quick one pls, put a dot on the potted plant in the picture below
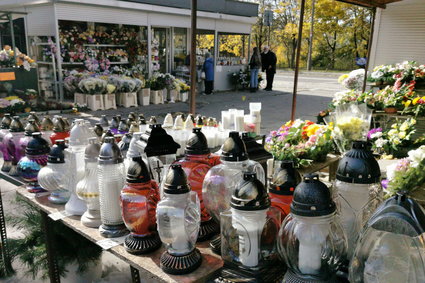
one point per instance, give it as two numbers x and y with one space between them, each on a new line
157 85
144 93
93 88
183 93
77 257
128 91
109 99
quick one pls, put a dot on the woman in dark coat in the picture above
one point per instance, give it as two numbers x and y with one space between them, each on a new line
208 68
254 66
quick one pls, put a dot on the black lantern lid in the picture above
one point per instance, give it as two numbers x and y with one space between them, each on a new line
31 127
59 125
46 124
199 121
142 120
123 127
176 181
114 123
255 150
250 194
16 125
37 145
284 179
138 171
156 141
92 150
312 198
56 154
5 122
197 143
98 130
358 165
109 152
233 149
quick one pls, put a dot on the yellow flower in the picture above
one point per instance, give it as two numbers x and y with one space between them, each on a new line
423 97
12 97
342 78
407 103
312 129
415 101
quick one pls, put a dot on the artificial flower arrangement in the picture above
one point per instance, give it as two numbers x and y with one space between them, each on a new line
350 122
395 141
300 141
345 96
7 59
92 86
395 96
382 74
157 81
407 175
405 71
354 80
182 86
12 104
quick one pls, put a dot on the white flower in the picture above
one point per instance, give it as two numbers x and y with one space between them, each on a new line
376 135
417 155
380 142
391 171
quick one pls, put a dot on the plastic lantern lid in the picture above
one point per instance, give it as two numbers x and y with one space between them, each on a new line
312 198
31 127
358 165
98 129
124 144
132 116
16 125
67 124
133 151
34 117
46 124
56 154
134 127
142 120
168 121
107 134
178 123
91 153
59 125
104 121
123 127
109 152
114 123
79 134
188 124
197 143
152 120
255 150
233 149
138 171
250 194
176 181
199 121
5 122
156 141
37 145
285 180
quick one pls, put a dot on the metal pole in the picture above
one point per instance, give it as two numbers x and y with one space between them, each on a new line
269 35
12 35
310 43
297 61
369 47
193 59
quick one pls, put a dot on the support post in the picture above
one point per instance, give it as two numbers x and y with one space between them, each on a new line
135 275
369 47
12 36
193 58
310 41
51 254
5 257
297 61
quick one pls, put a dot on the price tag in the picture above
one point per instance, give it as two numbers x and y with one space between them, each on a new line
107 244
59 215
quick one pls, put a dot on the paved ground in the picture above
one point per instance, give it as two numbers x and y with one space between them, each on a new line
315 92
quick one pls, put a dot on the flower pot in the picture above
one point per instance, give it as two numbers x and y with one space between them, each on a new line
156 97
80 99
109 101
118 99
144 96
164 95
183 96
95 102
129 99
173 96
390 110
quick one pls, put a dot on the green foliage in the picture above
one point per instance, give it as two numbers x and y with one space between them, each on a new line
31 249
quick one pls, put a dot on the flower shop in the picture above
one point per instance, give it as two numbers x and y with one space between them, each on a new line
71 40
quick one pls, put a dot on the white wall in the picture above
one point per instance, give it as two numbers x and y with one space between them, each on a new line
399 33
40 20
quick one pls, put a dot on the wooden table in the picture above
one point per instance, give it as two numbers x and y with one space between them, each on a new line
147 265
331 162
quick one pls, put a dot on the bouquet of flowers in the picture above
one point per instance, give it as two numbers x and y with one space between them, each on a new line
350 122
240 78
354 80
92 86
300 141
382 73
407 175
157 81
183 87
7 59
346 96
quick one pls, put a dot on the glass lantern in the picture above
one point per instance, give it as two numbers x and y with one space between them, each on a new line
139 199
54 176
357 190
98 131
124 144
392 244
88 188
123 127
46 127
33 116
311 240
178 215
196 163
131 118
111 180
11 141
249 229
104 122
108 133
35 158
30 128
60 130
221 180
74 155
282 186
159 150
143 126
5 125
113 126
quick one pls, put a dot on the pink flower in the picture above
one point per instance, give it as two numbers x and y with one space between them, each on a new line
281 138
273 133
403 164
312 139
287 145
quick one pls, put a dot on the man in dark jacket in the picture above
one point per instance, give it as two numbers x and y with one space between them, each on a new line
268 60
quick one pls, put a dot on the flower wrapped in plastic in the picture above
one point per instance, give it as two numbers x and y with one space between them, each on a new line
350 122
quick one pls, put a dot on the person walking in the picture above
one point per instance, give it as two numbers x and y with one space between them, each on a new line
268 60
208 69
254 66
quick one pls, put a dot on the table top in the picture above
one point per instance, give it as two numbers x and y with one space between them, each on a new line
148 265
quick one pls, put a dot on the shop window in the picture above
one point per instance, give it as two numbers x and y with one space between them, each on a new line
233 49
